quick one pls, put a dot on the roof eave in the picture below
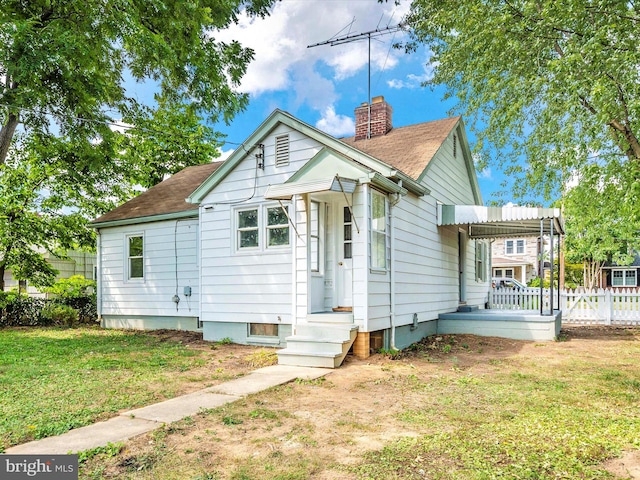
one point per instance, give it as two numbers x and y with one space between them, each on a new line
146 219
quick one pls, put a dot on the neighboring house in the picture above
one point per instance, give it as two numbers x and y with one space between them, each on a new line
302 239
515 258
625 276
76 263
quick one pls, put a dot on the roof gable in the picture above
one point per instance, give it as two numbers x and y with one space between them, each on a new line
166 198
281 117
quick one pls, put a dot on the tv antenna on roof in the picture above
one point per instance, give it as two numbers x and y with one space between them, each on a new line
378 32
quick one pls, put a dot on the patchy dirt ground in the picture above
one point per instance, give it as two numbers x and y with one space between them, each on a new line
328 423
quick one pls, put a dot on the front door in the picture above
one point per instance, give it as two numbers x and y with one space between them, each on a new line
344 256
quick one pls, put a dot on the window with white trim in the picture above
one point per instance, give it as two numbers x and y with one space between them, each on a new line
481 261
514 247
624 278
277 226
378 230
248 233
282 150
135 257
314 236
262 227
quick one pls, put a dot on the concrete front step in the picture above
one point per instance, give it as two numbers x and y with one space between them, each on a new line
331 317
296 358
318 345
334 331
314 344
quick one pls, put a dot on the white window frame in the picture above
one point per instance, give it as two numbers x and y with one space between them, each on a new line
378 234
624 272
481 261
128 257
314 238
239 230
262 228
268 228
513 245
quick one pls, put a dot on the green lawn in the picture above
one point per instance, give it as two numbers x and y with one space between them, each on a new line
458 408
55 379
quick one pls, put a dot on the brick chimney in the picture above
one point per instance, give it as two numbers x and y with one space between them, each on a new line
381 124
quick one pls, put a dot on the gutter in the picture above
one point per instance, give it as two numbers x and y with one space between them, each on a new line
99 277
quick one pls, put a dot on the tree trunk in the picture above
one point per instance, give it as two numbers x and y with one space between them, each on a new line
1 276
6 135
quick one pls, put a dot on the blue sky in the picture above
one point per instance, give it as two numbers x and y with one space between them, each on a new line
323 85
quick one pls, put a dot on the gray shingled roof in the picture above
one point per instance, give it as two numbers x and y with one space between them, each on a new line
409 149
167 197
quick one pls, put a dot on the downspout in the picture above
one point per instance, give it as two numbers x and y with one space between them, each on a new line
392 271
99 277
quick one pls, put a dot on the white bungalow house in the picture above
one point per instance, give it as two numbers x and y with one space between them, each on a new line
303 240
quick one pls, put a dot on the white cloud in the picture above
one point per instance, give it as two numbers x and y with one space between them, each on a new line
412 81
486 174
336 125
283 62
224 154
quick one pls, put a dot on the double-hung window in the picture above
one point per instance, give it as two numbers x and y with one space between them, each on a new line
378 230
135 257
623 278
514 247
262 227
277 226
248 232
314 236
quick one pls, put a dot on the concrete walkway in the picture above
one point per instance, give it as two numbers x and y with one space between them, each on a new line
142 420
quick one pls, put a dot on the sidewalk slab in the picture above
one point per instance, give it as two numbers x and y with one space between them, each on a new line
180 407
267 377
142 420
116 429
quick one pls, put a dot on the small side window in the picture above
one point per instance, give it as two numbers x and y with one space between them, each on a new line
135 245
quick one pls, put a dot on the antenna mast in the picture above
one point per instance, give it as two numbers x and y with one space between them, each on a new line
354 38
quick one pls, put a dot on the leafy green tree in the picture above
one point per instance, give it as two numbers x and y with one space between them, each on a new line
601 218
63 65
554 87
555 82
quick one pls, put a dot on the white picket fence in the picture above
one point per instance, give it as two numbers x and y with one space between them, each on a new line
579 306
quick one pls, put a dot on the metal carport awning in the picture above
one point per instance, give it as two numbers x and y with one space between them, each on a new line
493 222
511 221
285 191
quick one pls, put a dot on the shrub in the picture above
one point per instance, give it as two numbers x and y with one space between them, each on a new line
16 310
57 314
75 286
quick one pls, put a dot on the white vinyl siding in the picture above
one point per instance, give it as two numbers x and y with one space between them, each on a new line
426 256
170 255
253 285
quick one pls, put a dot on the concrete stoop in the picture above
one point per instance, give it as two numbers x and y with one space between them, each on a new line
318 344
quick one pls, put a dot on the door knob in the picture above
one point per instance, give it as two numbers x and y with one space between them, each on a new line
340 263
